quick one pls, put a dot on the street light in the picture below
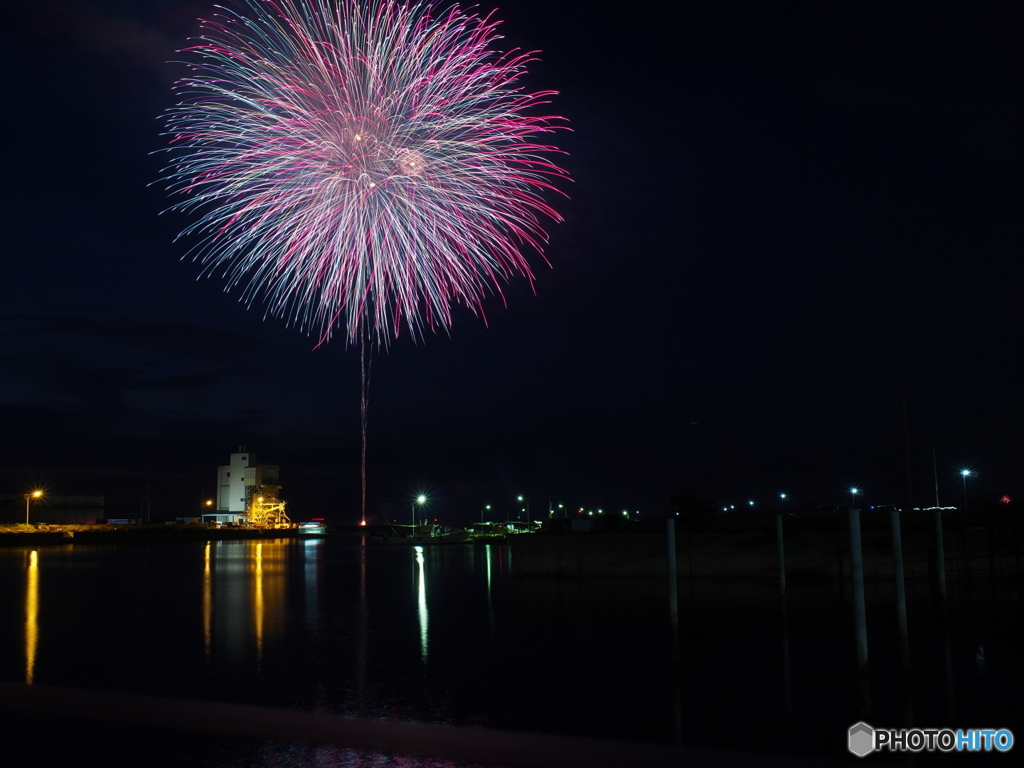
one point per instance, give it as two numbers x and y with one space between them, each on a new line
853 495
486 506
527 510
28 500
965 473
782 501
421 500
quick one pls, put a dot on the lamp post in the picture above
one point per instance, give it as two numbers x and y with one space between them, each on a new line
965 473
527 510
782 501
853 497
421 500
28 500
486 506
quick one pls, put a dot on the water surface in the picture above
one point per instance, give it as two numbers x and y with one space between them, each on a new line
449 635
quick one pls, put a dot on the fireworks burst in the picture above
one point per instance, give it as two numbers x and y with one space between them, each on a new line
361 165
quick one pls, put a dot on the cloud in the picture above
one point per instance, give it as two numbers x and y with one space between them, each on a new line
142 37
177 339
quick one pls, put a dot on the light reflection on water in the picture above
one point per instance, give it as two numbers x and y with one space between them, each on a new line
342 626
421 603
207 602
31 616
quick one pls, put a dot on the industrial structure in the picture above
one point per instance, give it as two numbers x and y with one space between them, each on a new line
248 494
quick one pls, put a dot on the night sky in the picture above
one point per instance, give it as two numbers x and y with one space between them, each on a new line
790 226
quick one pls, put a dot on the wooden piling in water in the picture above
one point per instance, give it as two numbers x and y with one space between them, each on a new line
859 611
782 555
940 558
901 593
673 613
673 586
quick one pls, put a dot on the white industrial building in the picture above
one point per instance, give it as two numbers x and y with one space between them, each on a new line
247 492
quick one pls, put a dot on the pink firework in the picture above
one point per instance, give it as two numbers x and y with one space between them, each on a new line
362 164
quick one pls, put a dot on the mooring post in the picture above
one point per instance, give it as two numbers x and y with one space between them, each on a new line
782 555
673 613
859 612
940 558
673 586
901 593
787 679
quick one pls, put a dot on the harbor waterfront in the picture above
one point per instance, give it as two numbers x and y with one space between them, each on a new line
464 636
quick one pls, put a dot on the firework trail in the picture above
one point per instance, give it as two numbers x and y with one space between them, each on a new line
360 165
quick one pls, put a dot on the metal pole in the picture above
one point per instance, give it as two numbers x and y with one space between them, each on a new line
859 612
782 555
673 586
673 613
901 594
940 557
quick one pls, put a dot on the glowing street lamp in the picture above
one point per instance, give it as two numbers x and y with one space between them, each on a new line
28 500
527 510
487 507
965 473
853 497
782 501
421 500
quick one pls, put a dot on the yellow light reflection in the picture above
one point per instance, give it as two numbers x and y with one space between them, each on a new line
31 616
422 603
258 606
207 602
243 595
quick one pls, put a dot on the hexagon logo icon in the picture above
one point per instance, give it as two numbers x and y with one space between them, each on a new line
862 739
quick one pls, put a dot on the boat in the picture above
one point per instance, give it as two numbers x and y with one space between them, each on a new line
312 528
420 535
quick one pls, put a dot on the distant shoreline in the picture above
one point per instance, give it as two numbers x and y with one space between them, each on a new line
110 534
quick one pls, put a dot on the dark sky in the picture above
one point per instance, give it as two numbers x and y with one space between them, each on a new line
783 217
